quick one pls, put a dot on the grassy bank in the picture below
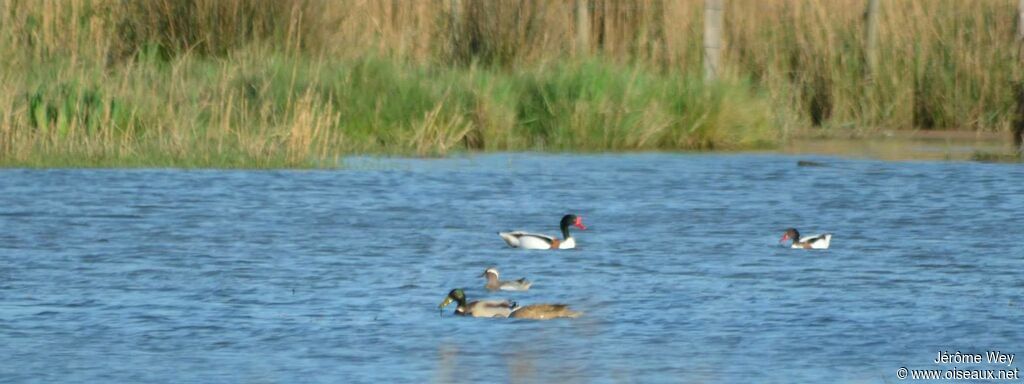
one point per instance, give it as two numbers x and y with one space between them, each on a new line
259 109
236 83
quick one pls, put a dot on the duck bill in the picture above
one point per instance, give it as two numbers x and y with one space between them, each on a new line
784 238
447 300
579 223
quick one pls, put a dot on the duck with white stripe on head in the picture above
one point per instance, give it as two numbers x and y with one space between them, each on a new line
495 284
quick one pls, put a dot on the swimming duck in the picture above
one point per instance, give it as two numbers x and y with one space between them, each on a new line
526 240
506 308
545 312
480 308
810 242
494 284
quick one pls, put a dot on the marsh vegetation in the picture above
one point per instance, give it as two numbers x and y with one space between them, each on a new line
243 83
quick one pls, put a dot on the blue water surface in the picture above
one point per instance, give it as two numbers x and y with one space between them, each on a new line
334 276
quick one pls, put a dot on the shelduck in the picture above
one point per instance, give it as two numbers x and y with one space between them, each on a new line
526 240
810 242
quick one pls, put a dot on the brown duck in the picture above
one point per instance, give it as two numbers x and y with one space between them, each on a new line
506 308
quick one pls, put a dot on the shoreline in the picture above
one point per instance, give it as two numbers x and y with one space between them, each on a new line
956 146
910 145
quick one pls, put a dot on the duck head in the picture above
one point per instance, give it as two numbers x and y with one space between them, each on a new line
455 295
574 220
790 234
568 220
490 273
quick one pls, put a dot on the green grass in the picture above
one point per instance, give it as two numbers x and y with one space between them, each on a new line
259 109
300 83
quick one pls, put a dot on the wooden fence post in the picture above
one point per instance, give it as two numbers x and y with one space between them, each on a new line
1020 28
453 21
713 10
871 39
583 27
1018 126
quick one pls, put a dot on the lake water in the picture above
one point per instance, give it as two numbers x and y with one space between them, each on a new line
335 276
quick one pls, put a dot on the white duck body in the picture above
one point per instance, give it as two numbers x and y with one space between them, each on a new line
813 242
526 240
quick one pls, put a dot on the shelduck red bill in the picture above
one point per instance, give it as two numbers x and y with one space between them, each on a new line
579 223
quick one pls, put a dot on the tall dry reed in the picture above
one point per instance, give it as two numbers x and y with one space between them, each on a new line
265 83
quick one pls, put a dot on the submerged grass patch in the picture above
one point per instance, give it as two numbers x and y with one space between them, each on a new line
997 157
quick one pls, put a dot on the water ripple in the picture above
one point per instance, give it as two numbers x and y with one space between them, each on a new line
328 276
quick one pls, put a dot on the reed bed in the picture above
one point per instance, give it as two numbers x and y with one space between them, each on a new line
251 83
